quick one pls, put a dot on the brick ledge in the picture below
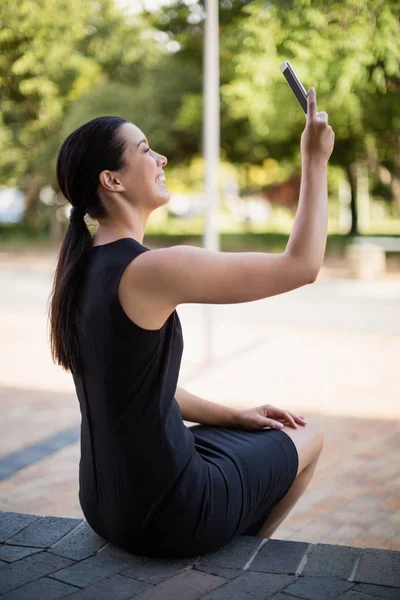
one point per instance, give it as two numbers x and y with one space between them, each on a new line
50 557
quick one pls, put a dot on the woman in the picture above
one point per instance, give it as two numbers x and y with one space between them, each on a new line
147 482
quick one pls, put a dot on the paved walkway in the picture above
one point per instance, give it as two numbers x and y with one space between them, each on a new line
49 558
329 351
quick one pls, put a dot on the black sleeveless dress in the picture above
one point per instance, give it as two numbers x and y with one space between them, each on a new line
148 483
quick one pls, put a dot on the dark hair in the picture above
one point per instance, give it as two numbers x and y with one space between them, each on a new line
86 152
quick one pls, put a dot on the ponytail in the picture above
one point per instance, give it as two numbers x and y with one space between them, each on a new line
63 314
86 152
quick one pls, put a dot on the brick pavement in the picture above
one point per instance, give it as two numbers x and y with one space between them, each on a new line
354 497
49 558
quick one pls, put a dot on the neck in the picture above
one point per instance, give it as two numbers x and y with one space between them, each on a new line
112 229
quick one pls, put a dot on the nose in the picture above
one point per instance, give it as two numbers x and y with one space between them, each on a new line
162 159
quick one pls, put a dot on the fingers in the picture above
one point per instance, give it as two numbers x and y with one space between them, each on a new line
311 105
282 415
275 424
286 417
299 420
322 116
296 421
290 420
312 114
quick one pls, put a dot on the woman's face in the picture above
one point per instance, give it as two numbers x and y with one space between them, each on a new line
142 170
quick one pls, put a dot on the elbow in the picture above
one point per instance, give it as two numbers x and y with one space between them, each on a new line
304 272
312 276
312 272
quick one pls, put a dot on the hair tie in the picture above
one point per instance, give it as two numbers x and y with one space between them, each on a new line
76 215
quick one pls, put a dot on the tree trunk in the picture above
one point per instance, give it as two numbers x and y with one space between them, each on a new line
351 176
56 226
395 187
32 206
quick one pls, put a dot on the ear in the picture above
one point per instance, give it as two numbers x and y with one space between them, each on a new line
109 181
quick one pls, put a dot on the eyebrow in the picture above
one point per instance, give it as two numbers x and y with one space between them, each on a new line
143 140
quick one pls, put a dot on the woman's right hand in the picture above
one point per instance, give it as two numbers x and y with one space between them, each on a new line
318 138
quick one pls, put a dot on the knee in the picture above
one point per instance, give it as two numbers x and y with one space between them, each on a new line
317 435
309 441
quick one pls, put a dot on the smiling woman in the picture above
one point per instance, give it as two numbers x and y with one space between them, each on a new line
129 194
147 482
118 186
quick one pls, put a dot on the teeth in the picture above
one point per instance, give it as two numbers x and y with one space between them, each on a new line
160 179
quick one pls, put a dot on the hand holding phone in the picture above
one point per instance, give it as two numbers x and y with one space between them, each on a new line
316 141
318 138
298 89
295 84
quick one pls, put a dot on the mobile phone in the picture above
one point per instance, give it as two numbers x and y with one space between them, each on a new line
295 84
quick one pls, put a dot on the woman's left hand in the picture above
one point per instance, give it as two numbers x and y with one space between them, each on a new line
264 416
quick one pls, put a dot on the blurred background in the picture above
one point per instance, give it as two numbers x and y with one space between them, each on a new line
329 350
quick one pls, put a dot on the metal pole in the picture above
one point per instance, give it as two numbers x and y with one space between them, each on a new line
211 125
211 145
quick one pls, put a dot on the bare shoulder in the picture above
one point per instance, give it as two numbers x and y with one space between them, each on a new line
165 278
138 299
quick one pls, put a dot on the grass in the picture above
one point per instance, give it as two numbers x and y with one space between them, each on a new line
244 239
248 242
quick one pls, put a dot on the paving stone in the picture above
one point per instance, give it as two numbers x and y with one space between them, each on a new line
334 561
12 553
116 587
117 552
14 461
11 523
44 532
81 543
224 572
30 568
107 572
152 570
190 585
91 570
381 567
318 588
278 556
281 596
378 591
352 595
251 586
41 589
235 555
19 459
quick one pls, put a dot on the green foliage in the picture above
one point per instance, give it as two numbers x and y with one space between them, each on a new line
58 71
51 53
349 51
40 70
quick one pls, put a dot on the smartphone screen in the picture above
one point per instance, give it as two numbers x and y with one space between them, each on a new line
295 84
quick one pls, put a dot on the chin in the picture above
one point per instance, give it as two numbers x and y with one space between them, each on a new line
165 197
161 200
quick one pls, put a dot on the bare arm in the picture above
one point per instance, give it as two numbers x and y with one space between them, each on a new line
163 279
310 229
197 410
309 234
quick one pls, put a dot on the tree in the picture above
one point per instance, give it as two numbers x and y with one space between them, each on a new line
350 51
48 59
57 71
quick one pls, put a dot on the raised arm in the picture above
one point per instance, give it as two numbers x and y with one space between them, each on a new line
163 279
